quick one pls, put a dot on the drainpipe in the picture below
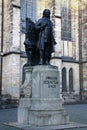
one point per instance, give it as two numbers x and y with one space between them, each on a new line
1 54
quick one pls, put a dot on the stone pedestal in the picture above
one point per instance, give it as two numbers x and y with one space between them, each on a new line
44 107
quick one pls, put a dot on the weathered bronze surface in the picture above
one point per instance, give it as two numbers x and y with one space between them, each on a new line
39 42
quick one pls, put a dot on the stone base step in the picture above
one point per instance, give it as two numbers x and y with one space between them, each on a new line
71 125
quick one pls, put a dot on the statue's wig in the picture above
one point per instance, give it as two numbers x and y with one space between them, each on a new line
46 11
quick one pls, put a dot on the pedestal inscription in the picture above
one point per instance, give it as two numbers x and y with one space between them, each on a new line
51 82
45 82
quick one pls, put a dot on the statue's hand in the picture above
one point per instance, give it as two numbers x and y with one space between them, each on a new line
27 42
43 26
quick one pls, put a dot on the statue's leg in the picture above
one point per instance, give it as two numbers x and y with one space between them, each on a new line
41 54
47 55
29 61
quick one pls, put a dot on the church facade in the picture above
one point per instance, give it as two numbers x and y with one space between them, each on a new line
70 29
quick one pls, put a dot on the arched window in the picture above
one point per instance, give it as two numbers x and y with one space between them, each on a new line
71 80
66 20
64 87
23 74
28 9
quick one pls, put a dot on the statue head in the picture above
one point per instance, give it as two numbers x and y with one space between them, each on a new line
46 13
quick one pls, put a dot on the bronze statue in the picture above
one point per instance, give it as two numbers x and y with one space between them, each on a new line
30 40
39 39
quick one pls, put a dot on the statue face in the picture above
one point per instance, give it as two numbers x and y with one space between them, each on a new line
46 13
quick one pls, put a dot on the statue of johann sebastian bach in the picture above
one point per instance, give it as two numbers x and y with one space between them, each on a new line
45 41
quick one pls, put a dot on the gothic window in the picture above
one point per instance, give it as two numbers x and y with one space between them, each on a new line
71 80
23 74
66 20
64 88
28 9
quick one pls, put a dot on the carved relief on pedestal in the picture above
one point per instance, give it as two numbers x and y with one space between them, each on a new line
25 90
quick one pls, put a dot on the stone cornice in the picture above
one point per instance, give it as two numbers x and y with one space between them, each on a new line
69 60
22 54
8 53
56 16
16 6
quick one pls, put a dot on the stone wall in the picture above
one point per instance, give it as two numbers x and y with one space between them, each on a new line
11 48
85 76
75 29
84 33
84 47
0 21
11 26
41 5
11 75
8 25
57 28
16 26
